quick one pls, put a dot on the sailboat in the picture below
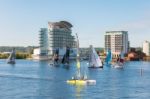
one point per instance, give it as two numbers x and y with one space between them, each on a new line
55 59
94 59
108 57
79 79
66 56
120 61
11 58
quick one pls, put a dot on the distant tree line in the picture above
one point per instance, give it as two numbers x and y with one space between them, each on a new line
4 56
85 51
21 52
19 55
28 49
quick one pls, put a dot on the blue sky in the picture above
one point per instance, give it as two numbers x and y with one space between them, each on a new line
20 20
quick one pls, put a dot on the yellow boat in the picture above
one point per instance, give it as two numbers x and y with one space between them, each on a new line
79 79
76 82
81 82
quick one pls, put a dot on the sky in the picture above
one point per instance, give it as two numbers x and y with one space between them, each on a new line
21 20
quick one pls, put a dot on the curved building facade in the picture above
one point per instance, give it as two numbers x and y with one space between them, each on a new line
60 36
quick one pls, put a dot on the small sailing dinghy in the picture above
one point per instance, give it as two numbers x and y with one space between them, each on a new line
120 61
55 59
94 59
79 79
118 66
12 57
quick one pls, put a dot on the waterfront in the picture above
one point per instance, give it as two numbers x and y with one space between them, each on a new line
29 79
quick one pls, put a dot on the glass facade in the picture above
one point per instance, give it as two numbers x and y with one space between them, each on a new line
58 35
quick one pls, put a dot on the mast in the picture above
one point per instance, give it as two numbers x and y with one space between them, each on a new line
90 55
78 57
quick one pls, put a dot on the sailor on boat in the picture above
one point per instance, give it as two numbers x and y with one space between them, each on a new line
120 61
55 58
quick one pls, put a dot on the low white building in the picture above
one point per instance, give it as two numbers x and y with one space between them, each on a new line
146 48
38 56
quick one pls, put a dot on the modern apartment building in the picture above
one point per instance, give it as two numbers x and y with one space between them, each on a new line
146 48
58 35
117 42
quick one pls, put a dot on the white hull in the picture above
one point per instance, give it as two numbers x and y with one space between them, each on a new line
118 65
11 62
91 82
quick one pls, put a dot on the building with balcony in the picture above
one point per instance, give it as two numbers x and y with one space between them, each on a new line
60 37
117 42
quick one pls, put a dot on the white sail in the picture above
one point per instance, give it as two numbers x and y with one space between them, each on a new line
94 59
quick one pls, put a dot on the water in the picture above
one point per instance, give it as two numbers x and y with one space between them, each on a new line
29 79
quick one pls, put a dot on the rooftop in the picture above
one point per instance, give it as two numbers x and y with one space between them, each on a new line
61 24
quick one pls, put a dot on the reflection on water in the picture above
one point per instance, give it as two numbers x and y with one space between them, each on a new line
38 80
23 76
79 89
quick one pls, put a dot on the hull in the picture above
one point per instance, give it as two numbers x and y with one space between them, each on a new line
119 66
76 82
54 63
66 64
11 62
96 67
81 82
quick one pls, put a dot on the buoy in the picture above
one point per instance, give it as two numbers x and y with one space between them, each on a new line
141 71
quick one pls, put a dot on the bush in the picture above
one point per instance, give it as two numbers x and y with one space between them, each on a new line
18 56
